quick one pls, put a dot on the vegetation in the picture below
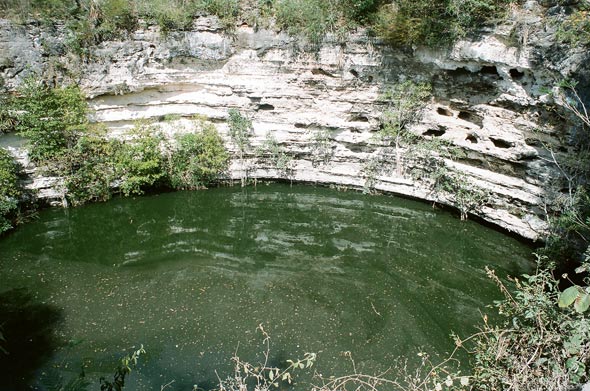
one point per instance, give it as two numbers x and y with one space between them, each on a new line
139 162
403 106
276 155
405 102
95 167
410 22
262 376
240 130
569 215
90 171
127 363
51 119
575 28
401 22
321 149
466 195
199 159
537 345
10 191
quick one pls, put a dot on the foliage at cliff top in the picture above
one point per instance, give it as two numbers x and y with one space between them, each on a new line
402 22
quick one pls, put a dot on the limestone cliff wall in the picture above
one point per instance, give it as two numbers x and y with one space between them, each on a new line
489 99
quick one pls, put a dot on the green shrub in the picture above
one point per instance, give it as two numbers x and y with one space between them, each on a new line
199 159
425 22
312 18
50 118
227 10
10 190
169 14
536 345
575 29
91 169
359 10
139 162
81 37
40 9
272 152
240 130
115 16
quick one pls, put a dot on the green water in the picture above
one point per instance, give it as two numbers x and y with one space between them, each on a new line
191 275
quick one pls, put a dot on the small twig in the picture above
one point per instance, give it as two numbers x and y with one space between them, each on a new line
374 309
162 388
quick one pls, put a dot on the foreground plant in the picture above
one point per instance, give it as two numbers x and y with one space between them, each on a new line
261 375
536 345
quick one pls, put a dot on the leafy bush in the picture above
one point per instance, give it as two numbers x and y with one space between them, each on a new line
115 16
467 196
575 28
569 218
139 162
226 10
536 346
312 18
45 9
417 22
240 130
50 118
404 103
10 190
91 169
198 159
277 156
169 14
360 10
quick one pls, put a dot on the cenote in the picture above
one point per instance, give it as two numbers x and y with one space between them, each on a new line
190 275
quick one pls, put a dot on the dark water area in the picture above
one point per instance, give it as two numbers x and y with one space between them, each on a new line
191 275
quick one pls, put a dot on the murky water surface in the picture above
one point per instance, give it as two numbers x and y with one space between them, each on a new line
191 275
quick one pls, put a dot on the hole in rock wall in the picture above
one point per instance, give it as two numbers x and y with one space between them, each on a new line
370 79
489 70
516 74
265 107
459 72
472 138
358 118
299 125
471 117
320 71
499 143
354 73
435 132
444 111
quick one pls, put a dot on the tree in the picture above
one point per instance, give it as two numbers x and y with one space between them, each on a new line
404 103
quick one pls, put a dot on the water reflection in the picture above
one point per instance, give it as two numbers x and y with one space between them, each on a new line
191 276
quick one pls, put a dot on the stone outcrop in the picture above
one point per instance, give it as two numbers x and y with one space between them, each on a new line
324 107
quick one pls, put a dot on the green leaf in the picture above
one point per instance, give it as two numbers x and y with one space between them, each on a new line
571 363
568 296
582 303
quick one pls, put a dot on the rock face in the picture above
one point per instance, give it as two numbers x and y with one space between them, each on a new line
323 108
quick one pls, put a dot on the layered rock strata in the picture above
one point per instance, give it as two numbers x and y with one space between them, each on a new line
324 107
